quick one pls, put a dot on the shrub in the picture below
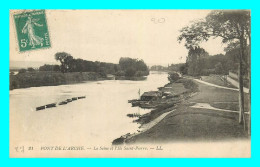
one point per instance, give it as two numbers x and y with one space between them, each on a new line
30 69
173 76
189 84
21 71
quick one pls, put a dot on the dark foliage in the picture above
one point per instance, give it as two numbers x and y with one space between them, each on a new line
173 76
132 67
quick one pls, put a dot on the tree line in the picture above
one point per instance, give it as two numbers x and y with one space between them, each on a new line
199 62
128 67
73 70
70 64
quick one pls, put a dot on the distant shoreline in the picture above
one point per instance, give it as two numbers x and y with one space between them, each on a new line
43 78
49 78
141 78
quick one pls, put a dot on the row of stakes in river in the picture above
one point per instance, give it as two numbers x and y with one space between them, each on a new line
60 103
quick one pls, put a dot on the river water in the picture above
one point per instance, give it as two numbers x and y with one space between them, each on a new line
99 118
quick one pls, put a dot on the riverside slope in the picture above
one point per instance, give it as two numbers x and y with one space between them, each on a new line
196 124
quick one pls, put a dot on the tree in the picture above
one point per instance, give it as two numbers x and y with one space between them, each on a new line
22 71
30 69
47 67
56 68
130 72
69 63
195 59
219 68
131 66
116 68
184 69
65 60
126 62
233 27
173 76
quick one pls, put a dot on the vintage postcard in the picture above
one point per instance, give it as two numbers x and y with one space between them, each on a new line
130 83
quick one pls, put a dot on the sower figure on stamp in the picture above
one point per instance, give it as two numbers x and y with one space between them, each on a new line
29 29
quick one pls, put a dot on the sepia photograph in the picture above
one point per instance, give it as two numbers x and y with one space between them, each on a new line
130 83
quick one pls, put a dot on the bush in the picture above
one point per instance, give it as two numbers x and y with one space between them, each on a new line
102 74
30 69
21 71
207 72
47 67
173 76
219 68
189 84
13 85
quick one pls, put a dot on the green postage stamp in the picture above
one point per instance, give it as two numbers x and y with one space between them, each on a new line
32 30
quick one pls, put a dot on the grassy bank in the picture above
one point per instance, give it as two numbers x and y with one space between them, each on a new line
187 123
181 89
216 79
46 78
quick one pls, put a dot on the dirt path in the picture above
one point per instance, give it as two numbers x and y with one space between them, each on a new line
217 86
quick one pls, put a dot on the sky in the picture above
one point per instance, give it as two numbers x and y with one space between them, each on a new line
107 35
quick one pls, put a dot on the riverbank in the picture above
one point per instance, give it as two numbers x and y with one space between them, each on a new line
134 78
188 122
207 113
47 78
174 94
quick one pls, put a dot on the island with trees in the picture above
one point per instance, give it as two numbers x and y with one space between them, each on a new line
73 70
